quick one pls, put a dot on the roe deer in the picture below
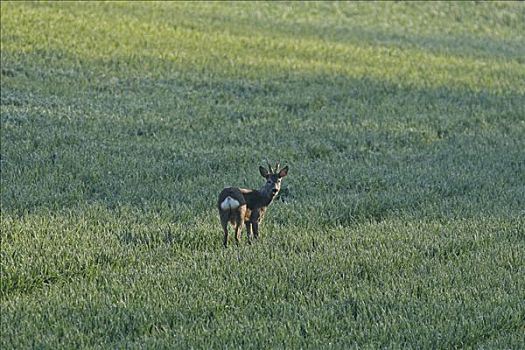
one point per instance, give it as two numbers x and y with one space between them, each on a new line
243 206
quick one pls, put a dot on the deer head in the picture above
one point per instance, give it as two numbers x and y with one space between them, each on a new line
273 180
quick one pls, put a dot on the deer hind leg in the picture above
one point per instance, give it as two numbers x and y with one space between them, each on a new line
238 233
225 229
224 223
239 220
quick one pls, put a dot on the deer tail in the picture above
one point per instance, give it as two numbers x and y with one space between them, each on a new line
229 203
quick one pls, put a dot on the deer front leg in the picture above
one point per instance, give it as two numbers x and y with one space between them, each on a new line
255 219
249 231
255 226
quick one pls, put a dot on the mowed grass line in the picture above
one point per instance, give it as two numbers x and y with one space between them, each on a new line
401 223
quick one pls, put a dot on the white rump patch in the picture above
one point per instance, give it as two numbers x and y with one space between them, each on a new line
229 203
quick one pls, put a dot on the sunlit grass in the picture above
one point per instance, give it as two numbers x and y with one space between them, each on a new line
126 45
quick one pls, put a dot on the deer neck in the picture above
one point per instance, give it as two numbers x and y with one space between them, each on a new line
265 197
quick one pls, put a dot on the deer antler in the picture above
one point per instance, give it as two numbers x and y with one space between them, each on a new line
277 166
269 167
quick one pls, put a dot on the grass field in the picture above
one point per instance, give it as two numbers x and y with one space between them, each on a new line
401 223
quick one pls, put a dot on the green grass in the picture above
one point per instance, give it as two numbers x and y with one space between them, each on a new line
401 223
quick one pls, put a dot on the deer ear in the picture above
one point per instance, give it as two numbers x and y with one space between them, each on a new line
263 171
283 172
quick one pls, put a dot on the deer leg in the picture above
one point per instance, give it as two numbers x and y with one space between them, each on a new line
254 219
225 240
237 234
225 217
238 226
224 223
249 231
239 221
